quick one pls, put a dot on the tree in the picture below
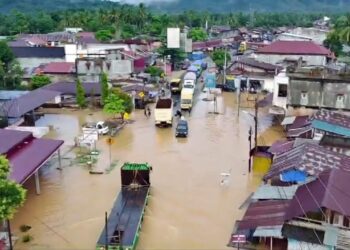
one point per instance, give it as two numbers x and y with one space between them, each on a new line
6 55
154 71
39 81
12 194
176 55
128 103
334 43
198 34
104 87
218 57
81 100
114 105
104 35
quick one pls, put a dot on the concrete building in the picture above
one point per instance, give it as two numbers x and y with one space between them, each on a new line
279 51
304 34
315 88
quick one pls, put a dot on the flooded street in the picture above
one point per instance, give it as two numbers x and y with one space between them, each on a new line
188 208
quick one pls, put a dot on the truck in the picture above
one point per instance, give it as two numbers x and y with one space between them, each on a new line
163 112
122 228
186 98
175 85
189 81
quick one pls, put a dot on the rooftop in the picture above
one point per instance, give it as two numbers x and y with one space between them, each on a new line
328 190
294 48
38 52
28 102
12 139
256 64
59 68
332 122
310 158
69 88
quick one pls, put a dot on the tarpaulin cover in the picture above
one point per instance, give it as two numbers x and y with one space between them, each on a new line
293 176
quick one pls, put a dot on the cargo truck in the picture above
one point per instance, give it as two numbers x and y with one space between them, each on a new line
122 228
186 98
163 112
175 86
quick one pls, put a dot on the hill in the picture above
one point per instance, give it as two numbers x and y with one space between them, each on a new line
221 6
175 6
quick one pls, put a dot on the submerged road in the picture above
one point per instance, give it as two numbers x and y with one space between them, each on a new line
188 208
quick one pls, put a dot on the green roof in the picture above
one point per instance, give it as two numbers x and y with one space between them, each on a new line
136 166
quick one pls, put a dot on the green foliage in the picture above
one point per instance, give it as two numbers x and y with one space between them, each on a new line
333 42
27 238
12 194
198 34
176 55
128 31
104 87
128 103
104 35
81 100
39 81
24 228
6 55
218 57
154 71
114 105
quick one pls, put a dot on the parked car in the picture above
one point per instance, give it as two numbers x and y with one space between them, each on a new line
181 128
100 127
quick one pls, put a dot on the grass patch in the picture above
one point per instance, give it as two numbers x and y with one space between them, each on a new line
27 238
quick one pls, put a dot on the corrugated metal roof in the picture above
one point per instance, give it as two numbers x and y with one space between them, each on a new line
293 133
301 141
268 192
28 102
331 121
329 190
300 121
70 88
288 120
313 159
11 138
280 147
295 48
11 94
264 213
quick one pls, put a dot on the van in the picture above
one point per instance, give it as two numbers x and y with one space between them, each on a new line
181 128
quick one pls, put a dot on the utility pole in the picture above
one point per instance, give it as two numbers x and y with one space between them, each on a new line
225 65
250 149
106 230
256 124
9 234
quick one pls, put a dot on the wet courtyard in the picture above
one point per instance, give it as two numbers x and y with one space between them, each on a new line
188 207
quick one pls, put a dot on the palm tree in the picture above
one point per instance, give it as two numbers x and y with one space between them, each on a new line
344 32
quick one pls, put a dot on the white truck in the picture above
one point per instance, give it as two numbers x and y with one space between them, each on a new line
189 81
186 98
163 112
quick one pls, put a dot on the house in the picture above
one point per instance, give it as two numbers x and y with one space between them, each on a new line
259 73
58 71
317 88
305 34
31 57
278 51
27 154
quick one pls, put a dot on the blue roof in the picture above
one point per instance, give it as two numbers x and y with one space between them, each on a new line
293 176
332 128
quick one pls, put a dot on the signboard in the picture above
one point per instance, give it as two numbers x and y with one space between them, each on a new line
141 94
210 80
238 238
173 38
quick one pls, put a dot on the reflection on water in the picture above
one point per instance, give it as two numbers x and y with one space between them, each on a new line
188 209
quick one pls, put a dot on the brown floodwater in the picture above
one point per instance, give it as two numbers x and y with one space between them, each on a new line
188 208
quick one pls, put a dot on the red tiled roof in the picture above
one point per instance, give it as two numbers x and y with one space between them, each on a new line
59 68
294 48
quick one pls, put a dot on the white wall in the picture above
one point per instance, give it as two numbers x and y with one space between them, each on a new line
281 102
274 58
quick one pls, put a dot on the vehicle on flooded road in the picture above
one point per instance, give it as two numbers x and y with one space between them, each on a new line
100 127
182 128
163 112
175 85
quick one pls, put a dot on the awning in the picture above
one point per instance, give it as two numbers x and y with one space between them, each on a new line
268 192
288 120
28 159
274 231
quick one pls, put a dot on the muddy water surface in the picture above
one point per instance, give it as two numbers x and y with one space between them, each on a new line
188 208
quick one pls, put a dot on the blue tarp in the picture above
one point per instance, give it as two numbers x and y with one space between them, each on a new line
293 176
198 55
192 68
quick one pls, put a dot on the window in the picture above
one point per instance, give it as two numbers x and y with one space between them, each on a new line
337 219
282 90
304 100
340 101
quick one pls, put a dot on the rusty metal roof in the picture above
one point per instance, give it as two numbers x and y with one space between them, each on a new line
280 147
264 213
313 159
